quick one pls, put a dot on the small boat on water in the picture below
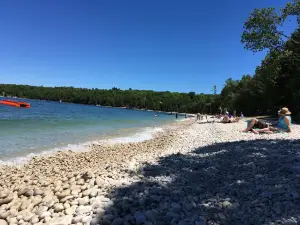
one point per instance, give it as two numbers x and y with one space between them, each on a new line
15 103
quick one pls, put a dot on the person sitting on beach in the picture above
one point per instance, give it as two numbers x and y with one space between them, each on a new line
283 124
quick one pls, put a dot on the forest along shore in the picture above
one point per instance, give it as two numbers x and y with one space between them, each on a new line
189 174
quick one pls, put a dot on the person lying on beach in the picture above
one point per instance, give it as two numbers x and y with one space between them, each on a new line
227 119
283 124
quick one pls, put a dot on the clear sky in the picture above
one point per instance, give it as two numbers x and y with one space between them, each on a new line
170 45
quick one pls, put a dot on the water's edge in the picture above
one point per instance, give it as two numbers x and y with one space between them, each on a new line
139 135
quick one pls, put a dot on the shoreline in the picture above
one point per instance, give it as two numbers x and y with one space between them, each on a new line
122 135
82 188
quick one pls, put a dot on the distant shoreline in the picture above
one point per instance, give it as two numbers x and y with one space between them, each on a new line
121 107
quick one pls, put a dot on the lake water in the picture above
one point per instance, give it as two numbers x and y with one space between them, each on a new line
51 126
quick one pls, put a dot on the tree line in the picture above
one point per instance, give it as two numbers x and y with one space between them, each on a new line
163 101
276 82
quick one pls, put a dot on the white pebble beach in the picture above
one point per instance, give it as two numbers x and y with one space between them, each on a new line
189 174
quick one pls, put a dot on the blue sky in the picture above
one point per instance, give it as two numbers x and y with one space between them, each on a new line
159 44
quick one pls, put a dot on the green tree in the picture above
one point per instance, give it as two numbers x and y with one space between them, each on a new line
262 30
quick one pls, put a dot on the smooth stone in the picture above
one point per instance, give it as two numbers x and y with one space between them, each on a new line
41 209
173 215
16 205
86 220
175 207
6 200
63 200
4 214
108 217
66 205
36 201
58 207
3 222
148 223
27 215
26 192
83 201
34 219
151 215
13 220
95 221
77 219
62 220
226 204
83 209
139 217
86 192
118 221
44 214
38 192
49 203
4 194
71 211
100 181
63 194
47 219
13 212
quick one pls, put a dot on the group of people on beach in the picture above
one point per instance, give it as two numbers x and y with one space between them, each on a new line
257 125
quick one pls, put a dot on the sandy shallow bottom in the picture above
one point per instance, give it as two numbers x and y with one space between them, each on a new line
190 173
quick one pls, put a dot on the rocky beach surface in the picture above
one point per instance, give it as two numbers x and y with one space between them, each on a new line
189 174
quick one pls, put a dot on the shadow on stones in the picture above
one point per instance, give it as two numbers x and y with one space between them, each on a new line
246 182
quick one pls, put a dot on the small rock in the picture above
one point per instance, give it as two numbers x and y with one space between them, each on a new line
83 209
151 215
63 200
58 207
26 191
3 222
108 217
175 207
4 214
38 192
6 200
62 220
95 221
118 221
4 194
63 194
83 201
44 214
86 220
66 205
47 219
199 223
99 181
77 219
226 204
34 219
13 220
139 217
71 211
27 215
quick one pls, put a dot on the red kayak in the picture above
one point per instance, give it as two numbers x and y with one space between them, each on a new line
15 104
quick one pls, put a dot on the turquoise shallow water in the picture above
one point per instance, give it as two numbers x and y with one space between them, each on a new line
50 126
